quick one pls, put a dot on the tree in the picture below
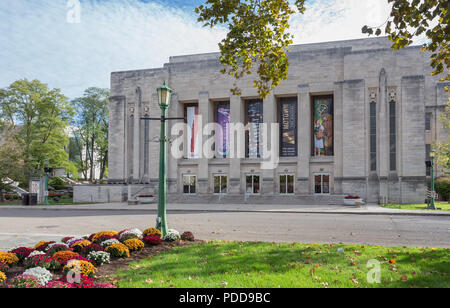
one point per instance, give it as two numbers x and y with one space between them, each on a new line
40 115
443 148
258 35
410 19
91 133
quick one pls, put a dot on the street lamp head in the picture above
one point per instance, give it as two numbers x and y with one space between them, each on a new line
164 94
432 153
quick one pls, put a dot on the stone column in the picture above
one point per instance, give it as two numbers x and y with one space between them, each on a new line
235 176
269 117
117 136
338 137
383 137
203 170
304 140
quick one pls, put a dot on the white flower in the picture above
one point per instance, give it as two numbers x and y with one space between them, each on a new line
172 235
41 274
134 232
109 242
35 253
100 257
54 244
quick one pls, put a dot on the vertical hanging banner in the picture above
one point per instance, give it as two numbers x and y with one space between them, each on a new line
323 126
255 118
288 129
223 134
193 132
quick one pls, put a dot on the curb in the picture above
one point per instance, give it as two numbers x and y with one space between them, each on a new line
367 213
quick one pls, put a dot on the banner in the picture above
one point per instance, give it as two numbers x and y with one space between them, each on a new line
255 118
223 134
193 132
323 127
288 129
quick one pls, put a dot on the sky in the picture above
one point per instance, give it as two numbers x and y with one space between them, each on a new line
76 44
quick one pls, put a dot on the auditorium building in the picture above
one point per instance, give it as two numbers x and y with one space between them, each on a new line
355 118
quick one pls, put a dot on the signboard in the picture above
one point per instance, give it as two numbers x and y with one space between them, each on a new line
193 132
288 129
255 118
35 188
223 134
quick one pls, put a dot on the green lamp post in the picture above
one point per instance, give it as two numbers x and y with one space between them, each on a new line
164 95
432 156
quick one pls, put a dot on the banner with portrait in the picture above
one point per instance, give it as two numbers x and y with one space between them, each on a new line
193 132
323 126
223 133
255 119
288 129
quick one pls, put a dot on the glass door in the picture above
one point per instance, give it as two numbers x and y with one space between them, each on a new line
322 184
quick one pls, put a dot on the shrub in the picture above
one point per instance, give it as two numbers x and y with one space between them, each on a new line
78 246
80 267
57 183
41 274
109 242
53 248
36 253
8 258
172 235
130 233
23 282
64 256
103 238
4 268
43 261
118 251
442 187
187 236
110 233
134 244
99 257
42 245
84 283
152 239
22 252
92 247
149 231
56 284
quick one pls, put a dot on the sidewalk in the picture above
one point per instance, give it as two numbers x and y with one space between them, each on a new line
370 209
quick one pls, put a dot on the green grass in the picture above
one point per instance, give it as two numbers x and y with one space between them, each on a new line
443 206
257 265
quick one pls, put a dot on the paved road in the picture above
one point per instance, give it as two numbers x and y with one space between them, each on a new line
26 227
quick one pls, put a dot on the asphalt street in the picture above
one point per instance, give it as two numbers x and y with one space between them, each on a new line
26 227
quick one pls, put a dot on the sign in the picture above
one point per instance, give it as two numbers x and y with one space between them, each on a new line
223 134
255 118
288 130
193 132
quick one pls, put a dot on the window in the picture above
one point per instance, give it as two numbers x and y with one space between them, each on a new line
252 136
286 184
193 131
322 126
373 136
288 129
223 134
189 184
252 182
220 184
428 121
392 137
321 184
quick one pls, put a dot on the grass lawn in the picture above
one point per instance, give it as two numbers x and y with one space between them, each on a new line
443 206
258 265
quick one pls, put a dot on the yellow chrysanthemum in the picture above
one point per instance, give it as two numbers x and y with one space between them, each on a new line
8 258
149 231
118 250
110 233
84 268
81 244
2 277
41 243
134 244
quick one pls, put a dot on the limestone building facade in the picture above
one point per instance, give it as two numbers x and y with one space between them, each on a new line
356 118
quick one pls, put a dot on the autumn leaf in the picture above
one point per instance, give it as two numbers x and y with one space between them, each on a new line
404 278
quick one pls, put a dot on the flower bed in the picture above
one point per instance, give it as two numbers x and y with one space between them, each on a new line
48 259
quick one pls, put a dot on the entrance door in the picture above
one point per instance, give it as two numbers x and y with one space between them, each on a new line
322 184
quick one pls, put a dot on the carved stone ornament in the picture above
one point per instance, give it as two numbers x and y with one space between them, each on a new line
392 94
373 94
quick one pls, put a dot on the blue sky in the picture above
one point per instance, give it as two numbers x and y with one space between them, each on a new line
38 42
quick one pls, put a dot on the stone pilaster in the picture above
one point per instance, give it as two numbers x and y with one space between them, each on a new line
117 150
203 168
304 140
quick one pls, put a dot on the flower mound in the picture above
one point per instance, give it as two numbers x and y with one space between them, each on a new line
4 268
103 238
172 235
54 248
43 261
130 233
83 268
78 246
42 245
188 236
64 256
110 233
41 274
2 277
8 258
153 239
92 247
118 251
22 252
99 257
23 282
150 231
109 242
66 239
134 244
